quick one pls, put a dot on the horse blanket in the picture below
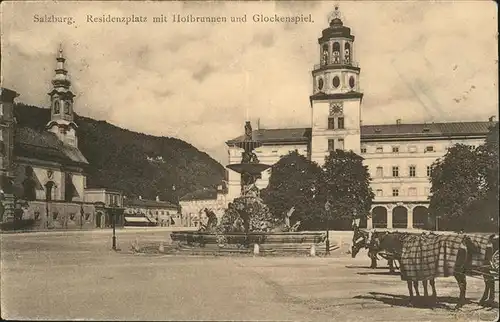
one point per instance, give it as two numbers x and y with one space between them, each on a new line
425 257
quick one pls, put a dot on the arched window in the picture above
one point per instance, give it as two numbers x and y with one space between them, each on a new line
57 106
69 188
48 190
67 107
347 53
336 53
29 184
324 55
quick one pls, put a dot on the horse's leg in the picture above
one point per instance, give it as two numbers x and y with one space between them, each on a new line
374 261
391 265
426 293
489 290
462 284
486 292
410 290
434 294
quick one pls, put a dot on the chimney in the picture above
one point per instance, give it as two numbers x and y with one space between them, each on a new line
258 123
398 121
157 198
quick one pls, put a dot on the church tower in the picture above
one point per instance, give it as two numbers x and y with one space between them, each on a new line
336 99
61 105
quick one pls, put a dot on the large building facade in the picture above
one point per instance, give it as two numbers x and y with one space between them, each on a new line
43 167
399 156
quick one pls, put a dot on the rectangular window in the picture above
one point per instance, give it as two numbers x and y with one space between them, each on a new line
412 192
341 122
395 171
331 145
331 123
341 144
429 148
380 172
412 149
363 150
379 149
395 192
429 170
380 193
413 171
395 149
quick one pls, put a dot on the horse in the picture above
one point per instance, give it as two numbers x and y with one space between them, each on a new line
361 239
489 273
440 255
393 243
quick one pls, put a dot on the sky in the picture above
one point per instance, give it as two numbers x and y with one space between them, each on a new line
199 82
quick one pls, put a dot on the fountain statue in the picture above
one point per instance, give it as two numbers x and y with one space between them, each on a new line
247 219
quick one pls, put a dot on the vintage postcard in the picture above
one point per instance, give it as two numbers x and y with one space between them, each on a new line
249 160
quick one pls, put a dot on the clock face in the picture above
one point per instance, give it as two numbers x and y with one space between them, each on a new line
352 82
336 108
320 84
336 81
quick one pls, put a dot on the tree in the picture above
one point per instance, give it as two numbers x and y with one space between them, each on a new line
458 188
488 154
346 183
294 182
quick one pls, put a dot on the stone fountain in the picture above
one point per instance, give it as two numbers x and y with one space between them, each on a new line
247 221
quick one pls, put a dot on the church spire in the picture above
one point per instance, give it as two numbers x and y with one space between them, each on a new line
61 103
61 80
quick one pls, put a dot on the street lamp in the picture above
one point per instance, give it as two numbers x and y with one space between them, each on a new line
327 243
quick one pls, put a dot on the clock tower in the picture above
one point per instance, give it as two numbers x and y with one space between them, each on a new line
61 105
336 99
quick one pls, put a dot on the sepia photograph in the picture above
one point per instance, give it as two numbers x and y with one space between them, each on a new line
249 160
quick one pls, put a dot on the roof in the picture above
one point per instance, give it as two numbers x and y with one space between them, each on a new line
201 194
291 135
45 145
445 129
374 132
148 203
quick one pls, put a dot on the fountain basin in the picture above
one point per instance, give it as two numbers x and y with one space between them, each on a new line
204 238
251 168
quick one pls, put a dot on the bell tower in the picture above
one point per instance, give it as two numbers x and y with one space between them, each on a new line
61 105
336 98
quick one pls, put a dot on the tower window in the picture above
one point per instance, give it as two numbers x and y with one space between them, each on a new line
379 149
320 83
67 108
429 170
336 82
395 149
395 192
331 123
324 58
57 107
429 148
331 145
336 53
352 82
340 122
395 171
347 54
363 149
